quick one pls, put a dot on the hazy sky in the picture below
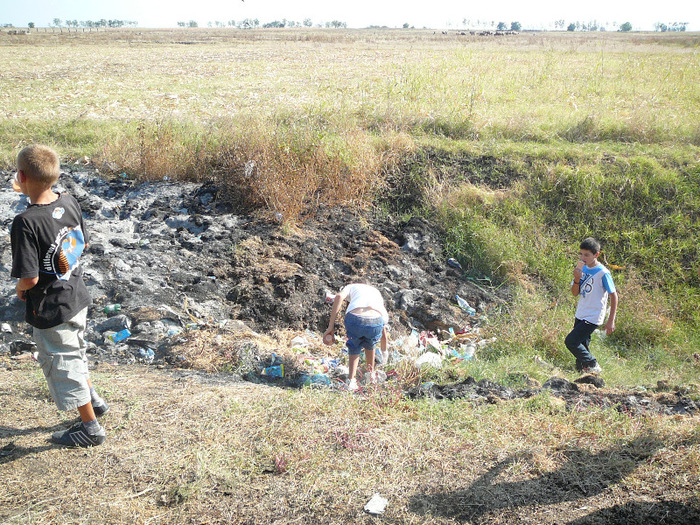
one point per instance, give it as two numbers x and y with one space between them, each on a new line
356 13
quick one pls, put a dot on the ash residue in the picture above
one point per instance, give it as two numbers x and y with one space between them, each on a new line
176 255
586 392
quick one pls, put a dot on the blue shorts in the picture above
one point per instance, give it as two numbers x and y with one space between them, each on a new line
363 332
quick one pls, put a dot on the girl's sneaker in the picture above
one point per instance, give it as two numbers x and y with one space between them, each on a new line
352 385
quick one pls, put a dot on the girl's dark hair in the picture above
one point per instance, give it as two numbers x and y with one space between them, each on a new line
590 244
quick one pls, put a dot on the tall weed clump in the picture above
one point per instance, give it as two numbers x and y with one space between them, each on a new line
280 166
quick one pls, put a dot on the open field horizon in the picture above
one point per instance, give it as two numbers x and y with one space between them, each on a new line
530 86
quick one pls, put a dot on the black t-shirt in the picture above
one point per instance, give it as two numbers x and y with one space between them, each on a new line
47 241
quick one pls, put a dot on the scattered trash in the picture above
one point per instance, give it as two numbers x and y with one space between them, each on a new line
454 263
376 505
274 371
120 336
464 305
340 370
429 358
24 357
315 379
465 352
147 354
485 342
249 169
6 328
112 308
142 233
380 374
299 341
18 347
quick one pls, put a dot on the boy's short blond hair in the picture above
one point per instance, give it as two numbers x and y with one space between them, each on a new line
39 163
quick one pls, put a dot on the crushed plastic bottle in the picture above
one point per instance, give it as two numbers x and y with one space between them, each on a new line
112 308
468 350
464 305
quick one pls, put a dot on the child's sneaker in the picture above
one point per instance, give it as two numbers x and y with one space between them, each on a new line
592 369
352 385
101 409
78 436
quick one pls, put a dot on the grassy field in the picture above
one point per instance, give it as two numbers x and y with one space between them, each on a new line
517 147
187 449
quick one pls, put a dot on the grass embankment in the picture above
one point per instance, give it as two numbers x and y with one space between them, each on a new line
524 230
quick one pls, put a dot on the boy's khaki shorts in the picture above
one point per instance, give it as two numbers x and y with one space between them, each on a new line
61 354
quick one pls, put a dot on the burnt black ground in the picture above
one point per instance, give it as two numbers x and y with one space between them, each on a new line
179 255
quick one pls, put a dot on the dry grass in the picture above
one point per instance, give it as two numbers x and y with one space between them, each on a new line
325 115
183 448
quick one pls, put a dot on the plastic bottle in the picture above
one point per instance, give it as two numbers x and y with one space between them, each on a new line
112 308
464 305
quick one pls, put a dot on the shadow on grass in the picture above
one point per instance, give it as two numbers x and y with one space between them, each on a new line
11 432
639 513
581 475
11 452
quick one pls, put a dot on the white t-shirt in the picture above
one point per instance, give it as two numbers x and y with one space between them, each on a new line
596 284
365 296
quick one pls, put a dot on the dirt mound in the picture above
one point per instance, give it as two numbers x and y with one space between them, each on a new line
178 256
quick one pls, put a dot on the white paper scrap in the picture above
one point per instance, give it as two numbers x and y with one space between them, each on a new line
376 505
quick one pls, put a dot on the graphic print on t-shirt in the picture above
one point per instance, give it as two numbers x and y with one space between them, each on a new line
64 254
586 284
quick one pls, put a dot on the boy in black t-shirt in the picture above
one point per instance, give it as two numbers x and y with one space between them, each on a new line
47 241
